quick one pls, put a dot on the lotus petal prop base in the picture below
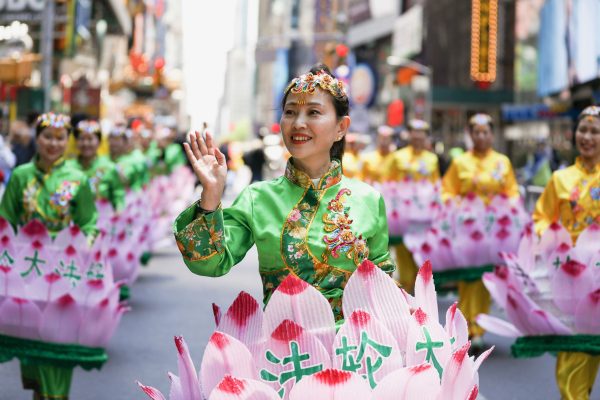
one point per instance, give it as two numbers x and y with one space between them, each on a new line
467 274
60 355
535 346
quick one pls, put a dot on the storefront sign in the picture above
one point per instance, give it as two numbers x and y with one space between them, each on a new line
21 10
407 39
484 31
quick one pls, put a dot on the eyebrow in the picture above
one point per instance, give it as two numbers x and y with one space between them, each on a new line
310 103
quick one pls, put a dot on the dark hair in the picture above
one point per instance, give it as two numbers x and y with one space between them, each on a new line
342 109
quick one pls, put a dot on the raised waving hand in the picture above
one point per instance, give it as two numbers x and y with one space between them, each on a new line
209 166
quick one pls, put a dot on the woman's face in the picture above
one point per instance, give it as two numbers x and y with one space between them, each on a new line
87 144
310 126
117 145
483 138
51 144
587 139
418 139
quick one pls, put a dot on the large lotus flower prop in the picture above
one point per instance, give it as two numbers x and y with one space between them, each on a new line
550 287
470 234
391 346
411 205
57 290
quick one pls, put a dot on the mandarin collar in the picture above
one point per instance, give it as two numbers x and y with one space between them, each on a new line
57 164
300 178
582 167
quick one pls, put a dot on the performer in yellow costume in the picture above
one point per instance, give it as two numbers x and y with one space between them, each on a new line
351 160
572 197
412 162
374 163
486 173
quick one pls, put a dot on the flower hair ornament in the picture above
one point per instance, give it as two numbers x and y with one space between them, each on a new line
121 131
480 119
89 126
53 120
418 125
590 112
307 83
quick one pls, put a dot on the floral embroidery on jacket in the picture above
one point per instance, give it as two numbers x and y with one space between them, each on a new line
61 199
202 238
340 238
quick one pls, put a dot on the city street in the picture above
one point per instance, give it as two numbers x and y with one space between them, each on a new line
169 300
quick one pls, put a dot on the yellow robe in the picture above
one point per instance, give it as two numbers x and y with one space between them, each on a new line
406 163
486 176
572 197
375 167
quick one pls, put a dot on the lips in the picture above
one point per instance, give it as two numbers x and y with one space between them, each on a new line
299 138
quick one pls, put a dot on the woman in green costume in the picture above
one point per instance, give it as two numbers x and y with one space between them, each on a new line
101 171
57 194
132 169
48 188
312 222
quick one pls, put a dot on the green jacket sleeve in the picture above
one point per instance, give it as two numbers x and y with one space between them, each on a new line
211 244
84 210
12 207
378 244
116 189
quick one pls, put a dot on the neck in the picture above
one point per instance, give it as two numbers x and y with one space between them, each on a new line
313 169
417 149
480 152
590 163
45 164
86 161
384 151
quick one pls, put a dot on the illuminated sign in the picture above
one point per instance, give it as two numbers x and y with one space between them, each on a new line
484 31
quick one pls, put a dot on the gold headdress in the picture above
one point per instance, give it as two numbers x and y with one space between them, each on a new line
307 83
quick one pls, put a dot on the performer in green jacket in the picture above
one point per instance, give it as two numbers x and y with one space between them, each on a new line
130 164
48 188
312 222
101 171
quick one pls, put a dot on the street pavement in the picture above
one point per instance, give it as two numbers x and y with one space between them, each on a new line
168 300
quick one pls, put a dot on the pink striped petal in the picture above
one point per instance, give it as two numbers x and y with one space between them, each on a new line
587 314
456 326
498 326
416 382
153 393
61 320
425 294
244 321
372 290
361 331
190 385
459 376
175 391
19 317
586 249
572 280
527 249
11 283
225 355
297 301
555 239
287 339
331 384
427 341
231 388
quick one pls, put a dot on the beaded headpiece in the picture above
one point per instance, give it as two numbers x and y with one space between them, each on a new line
307 83
480 119
418 125
89 126
590 112
53 120
120 130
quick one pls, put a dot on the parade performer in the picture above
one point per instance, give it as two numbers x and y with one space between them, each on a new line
572 198
351 160
312 222
485 173
130 169
101 171
48 188
374 164
412 163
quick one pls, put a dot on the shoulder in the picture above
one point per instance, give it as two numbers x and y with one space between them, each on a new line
564 174
70 171
23 170
500 157
360 189
431 156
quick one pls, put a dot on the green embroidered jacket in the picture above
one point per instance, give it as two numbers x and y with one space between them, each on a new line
319 233
133 170
56 197
104 180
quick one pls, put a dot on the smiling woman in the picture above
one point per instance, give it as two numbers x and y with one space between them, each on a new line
572 197
312 222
